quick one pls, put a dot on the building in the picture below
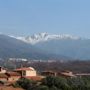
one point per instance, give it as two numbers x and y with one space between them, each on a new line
48 73
13 76
2 70
3 77
26 71
61 74
66 74
82 74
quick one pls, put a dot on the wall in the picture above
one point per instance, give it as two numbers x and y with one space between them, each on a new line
30 73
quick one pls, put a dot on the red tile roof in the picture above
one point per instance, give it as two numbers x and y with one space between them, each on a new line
68 75
24 69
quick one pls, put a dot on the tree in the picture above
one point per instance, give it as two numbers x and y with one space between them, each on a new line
24 83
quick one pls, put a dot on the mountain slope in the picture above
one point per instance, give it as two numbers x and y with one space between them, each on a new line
78 49
67 45
11 47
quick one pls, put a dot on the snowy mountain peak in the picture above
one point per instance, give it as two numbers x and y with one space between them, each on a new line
39 36
42 37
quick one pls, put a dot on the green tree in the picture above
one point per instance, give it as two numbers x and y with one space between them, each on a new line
24 83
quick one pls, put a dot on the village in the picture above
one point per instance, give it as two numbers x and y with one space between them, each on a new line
9 77
36 71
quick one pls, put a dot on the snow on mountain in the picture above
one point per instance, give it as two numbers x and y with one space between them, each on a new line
42 37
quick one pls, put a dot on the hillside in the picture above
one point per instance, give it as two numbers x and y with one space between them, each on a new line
61 44
11 47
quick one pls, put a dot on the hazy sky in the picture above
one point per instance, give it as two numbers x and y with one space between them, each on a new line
26 17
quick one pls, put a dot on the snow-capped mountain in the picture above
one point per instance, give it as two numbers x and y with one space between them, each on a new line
58 45
42 37
10 47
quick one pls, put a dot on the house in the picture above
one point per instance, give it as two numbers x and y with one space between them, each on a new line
9 76
3 77
82 74
26 71
29 73
13 76
66 74
48 73
2 70
61 74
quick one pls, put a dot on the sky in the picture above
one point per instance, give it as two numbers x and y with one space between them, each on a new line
26 17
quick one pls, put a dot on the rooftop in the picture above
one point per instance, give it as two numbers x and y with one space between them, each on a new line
25 68
13 74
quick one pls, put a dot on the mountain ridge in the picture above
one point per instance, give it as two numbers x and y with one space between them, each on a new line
13 48
56 45
42 37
